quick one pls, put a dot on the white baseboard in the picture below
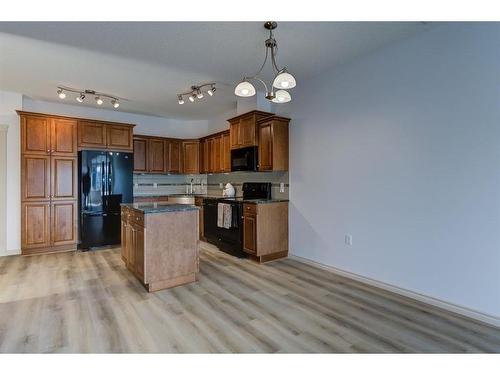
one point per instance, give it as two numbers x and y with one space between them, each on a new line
461 310
10 252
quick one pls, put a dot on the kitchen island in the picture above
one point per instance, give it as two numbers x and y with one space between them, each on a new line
160 243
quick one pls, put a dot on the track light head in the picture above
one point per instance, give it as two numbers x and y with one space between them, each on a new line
211 91
61 94
199 94
191 98
80 98
115 103
180 99
98 100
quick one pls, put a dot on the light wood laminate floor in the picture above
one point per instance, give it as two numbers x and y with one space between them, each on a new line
89 302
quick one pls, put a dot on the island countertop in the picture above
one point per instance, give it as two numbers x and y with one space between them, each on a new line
153 207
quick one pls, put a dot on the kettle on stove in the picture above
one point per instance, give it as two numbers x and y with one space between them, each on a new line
228 191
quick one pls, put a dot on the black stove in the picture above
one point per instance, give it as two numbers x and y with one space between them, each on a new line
230 239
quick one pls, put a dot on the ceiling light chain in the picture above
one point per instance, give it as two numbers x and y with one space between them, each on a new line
196 92
82 93
282 79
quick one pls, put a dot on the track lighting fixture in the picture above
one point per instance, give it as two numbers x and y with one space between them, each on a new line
98 96
282 79
196 92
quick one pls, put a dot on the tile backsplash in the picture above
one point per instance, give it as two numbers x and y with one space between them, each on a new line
238 178
162 184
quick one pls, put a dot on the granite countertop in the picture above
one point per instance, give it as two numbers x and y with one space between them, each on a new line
264 201
152 208
239 199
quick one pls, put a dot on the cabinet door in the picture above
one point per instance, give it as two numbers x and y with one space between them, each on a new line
226 153
216 154
265 147
35 227
124 238
64 178
139 252
140 155
191 157
63 137
174 156
91 134
234 134
130 247
63 223
250 233
35 135
247 131
35 177
119 137
211 156
157 159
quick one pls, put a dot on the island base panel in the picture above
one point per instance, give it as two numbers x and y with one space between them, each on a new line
176 281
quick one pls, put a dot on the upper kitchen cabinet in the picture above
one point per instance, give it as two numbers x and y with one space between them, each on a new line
47 135
157 155
91 134
101 135
191 157
243 129
35 134
273 143
174 155
140 154
120 137
63 138
226 152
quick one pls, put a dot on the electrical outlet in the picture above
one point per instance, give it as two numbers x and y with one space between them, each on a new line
282 187
348 239
220 185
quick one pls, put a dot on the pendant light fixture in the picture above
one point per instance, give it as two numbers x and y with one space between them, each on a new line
282 81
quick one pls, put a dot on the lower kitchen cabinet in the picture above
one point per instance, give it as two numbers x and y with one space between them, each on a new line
198 202
265 230
160 249
48 226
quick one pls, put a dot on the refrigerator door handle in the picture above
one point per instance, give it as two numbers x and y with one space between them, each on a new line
110 178
103 178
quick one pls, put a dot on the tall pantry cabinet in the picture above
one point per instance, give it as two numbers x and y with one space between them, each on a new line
49 191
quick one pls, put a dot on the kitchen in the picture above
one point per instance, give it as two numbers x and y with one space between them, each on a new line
108 153
332 197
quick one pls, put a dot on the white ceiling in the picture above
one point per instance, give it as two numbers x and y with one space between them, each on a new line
149 63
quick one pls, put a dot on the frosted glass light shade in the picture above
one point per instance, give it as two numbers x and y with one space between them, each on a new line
244 89
284 81
282 96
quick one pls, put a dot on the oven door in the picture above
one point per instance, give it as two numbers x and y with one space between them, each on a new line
244 159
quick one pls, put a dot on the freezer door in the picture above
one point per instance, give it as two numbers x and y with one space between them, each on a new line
119 172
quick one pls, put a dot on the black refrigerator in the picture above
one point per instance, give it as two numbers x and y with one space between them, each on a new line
105 181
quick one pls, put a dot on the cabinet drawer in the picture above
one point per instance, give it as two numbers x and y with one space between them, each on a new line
249 208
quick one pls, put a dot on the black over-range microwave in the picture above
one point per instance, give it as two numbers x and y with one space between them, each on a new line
244 159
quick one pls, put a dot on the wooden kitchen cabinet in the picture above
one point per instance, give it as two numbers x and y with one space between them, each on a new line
198 202
64 178
191 157
243 129
265 230
157 156
103 135
35 135
63 138
226 152
91 134
174 156
119 137
273 144
49 168
35 177
63 215
35 226
141 154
